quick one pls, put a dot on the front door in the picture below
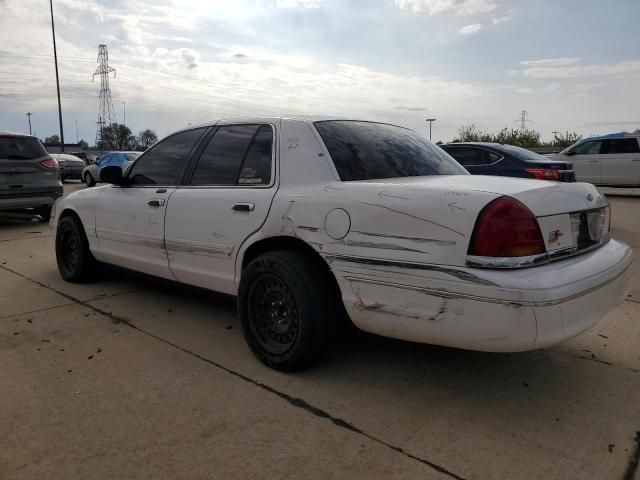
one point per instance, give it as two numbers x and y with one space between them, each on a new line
586 161
130 219
225 200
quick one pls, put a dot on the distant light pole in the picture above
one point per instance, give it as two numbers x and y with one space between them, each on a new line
55 57
28 114
124 113
430 121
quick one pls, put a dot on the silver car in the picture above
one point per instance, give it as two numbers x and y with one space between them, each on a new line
71 167
91 173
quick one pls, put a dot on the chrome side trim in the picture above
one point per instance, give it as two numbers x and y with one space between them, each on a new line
464 296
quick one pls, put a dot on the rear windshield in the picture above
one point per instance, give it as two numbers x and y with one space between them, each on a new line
523 153
21 148
370 151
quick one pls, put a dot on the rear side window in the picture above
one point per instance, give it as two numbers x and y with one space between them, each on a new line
469 156
236 155
620 145
588 148
21 148
161 164
369 151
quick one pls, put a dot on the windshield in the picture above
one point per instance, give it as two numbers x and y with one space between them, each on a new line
369 151
21 148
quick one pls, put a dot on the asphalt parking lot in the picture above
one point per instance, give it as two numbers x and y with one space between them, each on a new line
133 378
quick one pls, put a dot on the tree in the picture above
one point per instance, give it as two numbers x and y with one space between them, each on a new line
117 137
147 138
511 136
52 140
83 145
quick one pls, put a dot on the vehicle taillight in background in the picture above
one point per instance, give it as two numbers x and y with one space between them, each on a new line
544 173
506 228
50 163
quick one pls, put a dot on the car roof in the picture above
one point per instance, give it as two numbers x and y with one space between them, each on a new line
614 135
474 144
14 134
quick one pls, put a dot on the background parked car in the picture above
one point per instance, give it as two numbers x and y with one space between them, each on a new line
608 160
29 176
71 167
91 173
508 161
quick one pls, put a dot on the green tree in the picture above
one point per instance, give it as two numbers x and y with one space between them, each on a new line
52 140
147 138
117 137
83 145
511 136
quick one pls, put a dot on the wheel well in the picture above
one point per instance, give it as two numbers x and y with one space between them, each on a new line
69 213
291 243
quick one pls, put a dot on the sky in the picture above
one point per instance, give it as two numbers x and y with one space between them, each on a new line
573 65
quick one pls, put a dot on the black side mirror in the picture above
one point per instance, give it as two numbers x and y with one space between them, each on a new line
571 153
112 174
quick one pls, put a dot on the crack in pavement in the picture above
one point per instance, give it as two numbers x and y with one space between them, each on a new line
293 401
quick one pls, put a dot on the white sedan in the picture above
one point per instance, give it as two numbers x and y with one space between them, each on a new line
306 221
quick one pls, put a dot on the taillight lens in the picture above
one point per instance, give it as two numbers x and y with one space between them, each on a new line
506 228
50 163
544 173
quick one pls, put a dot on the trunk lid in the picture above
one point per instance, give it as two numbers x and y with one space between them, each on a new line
20 158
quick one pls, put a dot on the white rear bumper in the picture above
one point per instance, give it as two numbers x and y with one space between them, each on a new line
480 309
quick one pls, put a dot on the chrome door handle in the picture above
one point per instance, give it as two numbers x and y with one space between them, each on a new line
156 202
244 207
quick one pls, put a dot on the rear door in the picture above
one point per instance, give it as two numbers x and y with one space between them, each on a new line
620 161
130 219
586 161
226 197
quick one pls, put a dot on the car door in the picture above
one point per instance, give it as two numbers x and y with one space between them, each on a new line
226 197
130 219
620 161
586 161
477 161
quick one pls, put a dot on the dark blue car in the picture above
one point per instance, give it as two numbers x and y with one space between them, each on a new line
508 161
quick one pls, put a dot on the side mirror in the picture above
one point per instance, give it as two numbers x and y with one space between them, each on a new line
571 153
112 174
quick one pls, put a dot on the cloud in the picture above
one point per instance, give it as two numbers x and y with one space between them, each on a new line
189 57
470 29
298 3
411 109
437 7
498 20
570 67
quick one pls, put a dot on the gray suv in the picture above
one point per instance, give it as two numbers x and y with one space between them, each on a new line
29 176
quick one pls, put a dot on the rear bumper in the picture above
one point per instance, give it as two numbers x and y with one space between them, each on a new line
489 310
34 199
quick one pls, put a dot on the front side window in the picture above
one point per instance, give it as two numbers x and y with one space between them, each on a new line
620 145
236 155
588 148
370 151
162 163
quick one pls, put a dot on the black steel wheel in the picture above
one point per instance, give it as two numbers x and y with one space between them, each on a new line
287 309
76 263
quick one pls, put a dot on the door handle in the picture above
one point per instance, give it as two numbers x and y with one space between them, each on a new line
156 202
161 190
244 207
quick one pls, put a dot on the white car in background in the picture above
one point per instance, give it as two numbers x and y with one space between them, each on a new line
307 220
611 160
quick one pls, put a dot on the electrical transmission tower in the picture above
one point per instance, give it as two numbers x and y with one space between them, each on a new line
105 109
523 120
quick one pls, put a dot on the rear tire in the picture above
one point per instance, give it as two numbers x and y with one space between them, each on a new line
76 263
44 213
88 180
286 309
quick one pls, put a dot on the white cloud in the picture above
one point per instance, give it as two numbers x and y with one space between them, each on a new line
298 3
572 68
437 7
498 20
470 29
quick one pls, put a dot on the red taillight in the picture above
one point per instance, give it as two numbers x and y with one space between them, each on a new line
544 173
506 228
49 163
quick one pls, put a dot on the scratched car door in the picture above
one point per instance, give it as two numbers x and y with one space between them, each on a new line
130 220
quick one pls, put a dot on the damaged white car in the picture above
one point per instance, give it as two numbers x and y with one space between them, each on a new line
305 220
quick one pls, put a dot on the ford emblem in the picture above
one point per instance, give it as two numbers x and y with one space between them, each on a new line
590 197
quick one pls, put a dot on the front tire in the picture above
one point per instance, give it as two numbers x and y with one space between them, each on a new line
76 263
287 309
88 180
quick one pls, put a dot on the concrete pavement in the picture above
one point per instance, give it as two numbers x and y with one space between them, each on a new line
133 378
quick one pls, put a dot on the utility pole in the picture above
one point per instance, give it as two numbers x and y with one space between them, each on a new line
76 131
105 104
430 122
124 113
55 58
29 117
